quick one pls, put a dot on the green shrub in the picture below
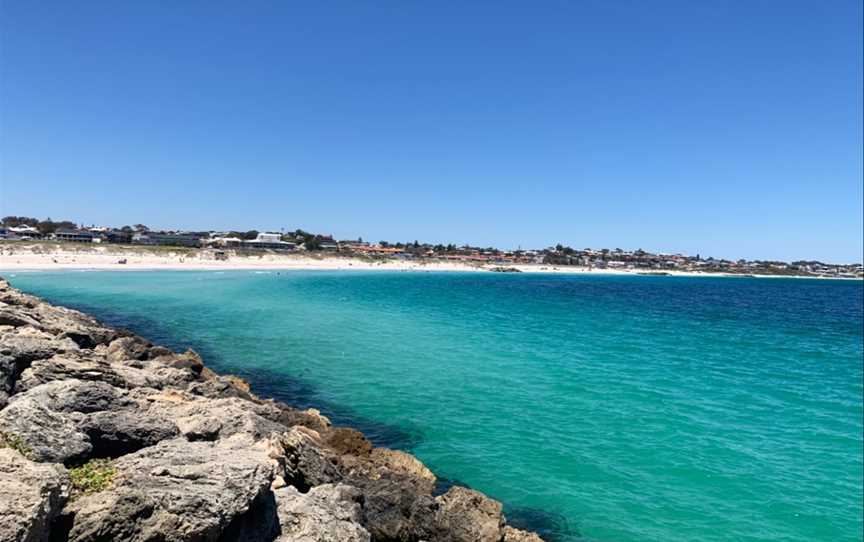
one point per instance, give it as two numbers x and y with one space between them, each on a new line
8 440
92 477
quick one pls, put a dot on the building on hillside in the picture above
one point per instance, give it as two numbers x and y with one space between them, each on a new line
166 239
225 242
353 246
116 236
328 244
373 250
23 232
271 241
73 236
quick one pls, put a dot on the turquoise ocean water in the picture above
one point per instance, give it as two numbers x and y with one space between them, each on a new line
597 408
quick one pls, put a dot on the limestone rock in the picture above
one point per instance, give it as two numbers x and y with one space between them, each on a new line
19 347
208 419
289 417
345 440
83 396
73 366
465 515
327 513
395 511
73 420
16 319
126 348
113 433
48 436
181 490
304 462
88 366
516 535
31 496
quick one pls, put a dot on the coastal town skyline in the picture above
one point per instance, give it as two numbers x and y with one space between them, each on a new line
725 128
24 228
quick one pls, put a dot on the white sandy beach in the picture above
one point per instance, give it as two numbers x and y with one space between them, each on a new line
40 257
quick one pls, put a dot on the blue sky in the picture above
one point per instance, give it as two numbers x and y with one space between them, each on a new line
730 129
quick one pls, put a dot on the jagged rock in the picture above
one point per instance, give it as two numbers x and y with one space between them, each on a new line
189 361
16 319
84 367
180 490
217 387
47 435
516 535
289 417
345 440
28 344
84 330
94 419
304 463
79 367
465 515
201 418
114 433
18 309
127 348
82 396
394 510
209 421
31 496
15 298
327 513
19 347
404 465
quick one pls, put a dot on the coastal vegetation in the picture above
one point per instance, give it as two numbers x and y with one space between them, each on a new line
91 477
14 442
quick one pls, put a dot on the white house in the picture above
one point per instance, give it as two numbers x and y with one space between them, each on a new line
269 240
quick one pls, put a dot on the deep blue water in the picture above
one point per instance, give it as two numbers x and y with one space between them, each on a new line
595 407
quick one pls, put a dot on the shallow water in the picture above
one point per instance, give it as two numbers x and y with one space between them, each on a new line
599 408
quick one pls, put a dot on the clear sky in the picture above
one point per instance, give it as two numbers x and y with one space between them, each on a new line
726 128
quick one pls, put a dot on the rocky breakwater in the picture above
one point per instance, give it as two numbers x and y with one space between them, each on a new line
105 436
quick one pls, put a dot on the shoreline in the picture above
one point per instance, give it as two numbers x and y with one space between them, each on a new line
105 259
106 435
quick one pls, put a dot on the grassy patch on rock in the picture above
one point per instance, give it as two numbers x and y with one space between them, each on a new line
92 477
8 440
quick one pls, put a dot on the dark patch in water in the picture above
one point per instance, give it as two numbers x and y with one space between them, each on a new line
551 526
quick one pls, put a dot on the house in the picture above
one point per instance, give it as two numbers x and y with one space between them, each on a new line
374 250
73 236
166 239
272 241
220 241
116 236
328 244
23 232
